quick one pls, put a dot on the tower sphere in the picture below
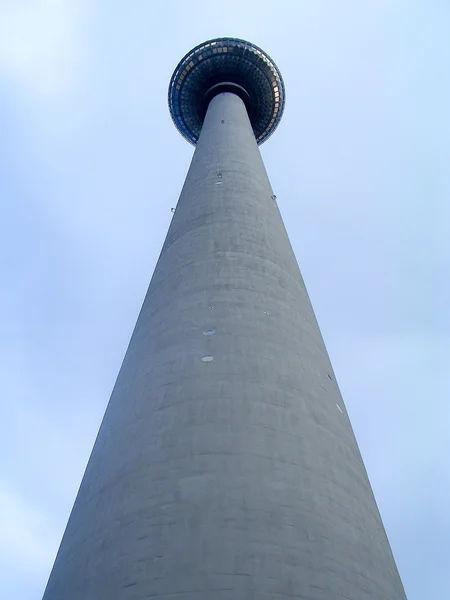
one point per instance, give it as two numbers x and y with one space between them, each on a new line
226 65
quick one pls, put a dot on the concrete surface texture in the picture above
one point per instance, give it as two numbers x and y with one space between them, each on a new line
225 467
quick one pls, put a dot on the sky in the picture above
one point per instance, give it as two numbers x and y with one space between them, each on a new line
90 166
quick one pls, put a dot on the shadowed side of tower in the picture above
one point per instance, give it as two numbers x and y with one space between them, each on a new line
225 467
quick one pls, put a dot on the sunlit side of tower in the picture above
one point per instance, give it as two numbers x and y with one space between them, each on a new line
225 467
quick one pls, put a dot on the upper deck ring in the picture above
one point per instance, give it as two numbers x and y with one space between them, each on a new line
226 64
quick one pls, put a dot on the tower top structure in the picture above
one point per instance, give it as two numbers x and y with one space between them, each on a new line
226 65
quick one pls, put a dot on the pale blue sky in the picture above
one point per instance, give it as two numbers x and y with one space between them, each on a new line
90 165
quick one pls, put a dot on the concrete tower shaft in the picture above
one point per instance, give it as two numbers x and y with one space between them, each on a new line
225 467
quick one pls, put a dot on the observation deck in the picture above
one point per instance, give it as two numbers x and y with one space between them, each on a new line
226 65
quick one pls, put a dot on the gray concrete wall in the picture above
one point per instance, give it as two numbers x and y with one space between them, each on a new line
237 478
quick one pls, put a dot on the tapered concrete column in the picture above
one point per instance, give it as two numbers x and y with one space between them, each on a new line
225 467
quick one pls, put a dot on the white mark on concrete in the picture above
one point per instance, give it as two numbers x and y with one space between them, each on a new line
207 358
339 408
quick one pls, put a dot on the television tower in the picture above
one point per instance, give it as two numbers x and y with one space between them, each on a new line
225 467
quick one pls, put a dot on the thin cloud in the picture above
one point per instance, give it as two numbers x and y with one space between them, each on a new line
27 534
41 48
